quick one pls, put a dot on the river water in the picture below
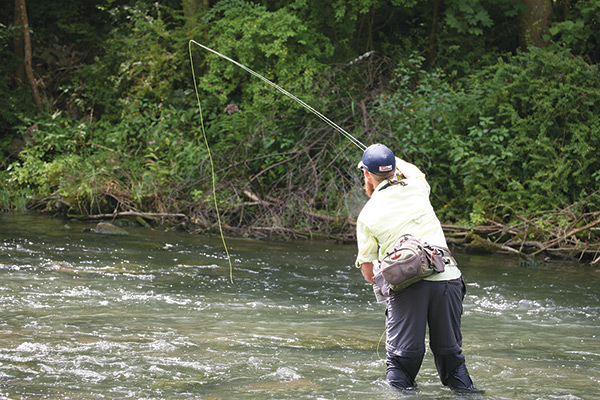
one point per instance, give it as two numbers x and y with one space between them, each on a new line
153 315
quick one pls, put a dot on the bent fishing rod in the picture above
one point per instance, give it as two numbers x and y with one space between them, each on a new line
332 124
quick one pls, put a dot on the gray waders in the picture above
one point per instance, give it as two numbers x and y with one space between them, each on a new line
437 304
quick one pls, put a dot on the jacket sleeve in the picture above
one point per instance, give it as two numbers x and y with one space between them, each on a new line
368 248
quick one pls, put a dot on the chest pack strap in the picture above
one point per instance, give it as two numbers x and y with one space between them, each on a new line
392 183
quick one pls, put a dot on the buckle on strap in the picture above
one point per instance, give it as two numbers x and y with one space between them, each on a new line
446 256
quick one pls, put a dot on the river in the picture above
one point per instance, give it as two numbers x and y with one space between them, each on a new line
153 315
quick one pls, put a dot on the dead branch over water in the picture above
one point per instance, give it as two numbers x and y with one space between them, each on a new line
559 234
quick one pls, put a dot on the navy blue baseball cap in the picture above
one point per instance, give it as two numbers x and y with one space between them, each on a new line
378 158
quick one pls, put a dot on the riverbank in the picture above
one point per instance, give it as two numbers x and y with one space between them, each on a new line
526 239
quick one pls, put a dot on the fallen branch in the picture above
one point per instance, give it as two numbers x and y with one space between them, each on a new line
511 239
526 243
149 215
517 252
573 232
109 149
257 200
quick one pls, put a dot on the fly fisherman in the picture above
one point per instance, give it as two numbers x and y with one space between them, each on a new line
395 208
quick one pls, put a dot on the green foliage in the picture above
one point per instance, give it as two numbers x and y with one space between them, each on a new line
144 59
579 31
474 33
468 16
550 102
15 102
417 109
279 46
278 42
51 153
137 162
75 22
519 133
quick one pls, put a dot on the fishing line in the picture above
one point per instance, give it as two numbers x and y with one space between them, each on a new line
212 167
379 343
332 124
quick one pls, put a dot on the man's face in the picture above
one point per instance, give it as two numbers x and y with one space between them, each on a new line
369 187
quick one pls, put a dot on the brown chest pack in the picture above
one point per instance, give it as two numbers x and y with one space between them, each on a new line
409 261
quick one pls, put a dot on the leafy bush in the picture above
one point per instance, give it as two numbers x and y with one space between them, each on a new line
579 31
245 115
552 103
94 167
145 59
517 135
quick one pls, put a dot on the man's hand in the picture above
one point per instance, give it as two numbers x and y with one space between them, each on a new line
407 169
367 271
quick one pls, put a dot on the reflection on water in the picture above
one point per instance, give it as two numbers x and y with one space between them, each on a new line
153 315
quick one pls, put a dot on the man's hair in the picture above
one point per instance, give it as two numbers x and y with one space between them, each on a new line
380 177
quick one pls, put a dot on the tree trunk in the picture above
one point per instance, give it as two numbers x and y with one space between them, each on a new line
192 11
432 42
534 22
194 7
19 46
27 55
566 9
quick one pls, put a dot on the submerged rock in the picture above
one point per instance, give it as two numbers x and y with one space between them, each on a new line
105 228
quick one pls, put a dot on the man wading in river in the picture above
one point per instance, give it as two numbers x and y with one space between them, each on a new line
395 208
